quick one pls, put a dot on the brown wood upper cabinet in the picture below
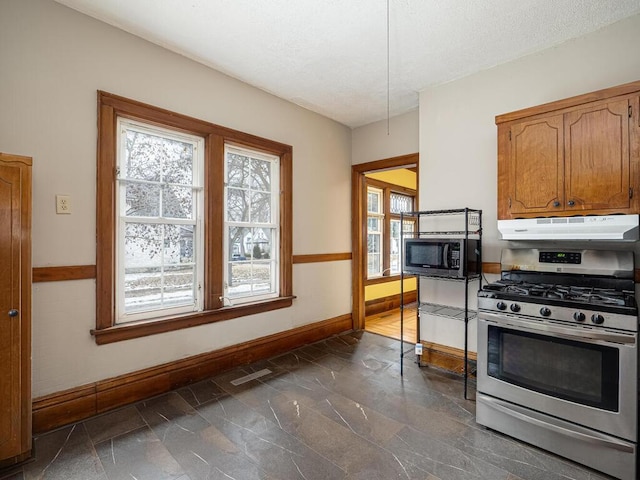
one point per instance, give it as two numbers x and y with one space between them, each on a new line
577 156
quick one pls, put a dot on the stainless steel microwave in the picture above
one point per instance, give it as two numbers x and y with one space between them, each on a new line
446 257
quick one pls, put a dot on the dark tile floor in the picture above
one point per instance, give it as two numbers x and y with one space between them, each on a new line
338 409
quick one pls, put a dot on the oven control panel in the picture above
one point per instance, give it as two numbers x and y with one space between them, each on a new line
560 257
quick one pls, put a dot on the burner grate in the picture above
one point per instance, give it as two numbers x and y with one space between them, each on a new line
569 293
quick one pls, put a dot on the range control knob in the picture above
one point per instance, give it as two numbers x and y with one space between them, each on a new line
515 307
597 318
545 312
579 317
501 306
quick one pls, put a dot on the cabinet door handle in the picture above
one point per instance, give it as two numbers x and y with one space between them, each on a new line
556 203
13 313
571 203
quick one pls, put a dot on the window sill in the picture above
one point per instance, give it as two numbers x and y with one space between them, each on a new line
376 280
127 331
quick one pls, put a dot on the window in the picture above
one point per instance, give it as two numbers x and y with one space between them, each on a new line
375 221
159 200
385 202
193 222
398 203
251 224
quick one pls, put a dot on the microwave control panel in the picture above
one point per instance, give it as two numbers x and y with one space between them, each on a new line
454 256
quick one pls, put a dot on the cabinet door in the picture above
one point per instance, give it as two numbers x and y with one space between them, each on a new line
597 158
15 308
536 172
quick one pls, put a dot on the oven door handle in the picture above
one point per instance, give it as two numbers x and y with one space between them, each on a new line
568 333
600 439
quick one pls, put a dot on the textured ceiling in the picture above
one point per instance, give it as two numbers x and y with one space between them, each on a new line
330 56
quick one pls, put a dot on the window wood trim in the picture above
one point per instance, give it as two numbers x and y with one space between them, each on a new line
110 107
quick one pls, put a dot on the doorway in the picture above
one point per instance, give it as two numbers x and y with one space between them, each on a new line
375 272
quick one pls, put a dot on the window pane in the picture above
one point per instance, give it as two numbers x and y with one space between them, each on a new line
142 245
408 226
143 156
240 246
394 247
373 243
178 167
374 264
142 199
374 224
159 266
374 197
177 202
262 278
238 170
142 289
260 207
261 175
154 288
237 205
178 244
262 240
179 283
400 203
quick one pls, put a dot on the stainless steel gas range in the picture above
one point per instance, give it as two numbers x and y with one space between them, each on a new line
558 355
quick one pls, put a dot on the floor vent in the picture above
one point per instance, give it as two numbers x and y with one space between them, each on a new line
251 376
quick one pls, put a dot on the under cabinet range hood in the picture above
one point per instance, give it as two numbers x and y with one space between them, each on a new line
597 227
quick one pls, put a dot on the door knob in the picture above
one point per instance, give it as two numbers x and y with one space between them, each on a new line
556 203
13 313
571 203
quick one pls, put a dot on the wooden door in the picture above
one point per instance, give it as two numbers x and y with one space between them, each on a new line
15 308
597 161
536 173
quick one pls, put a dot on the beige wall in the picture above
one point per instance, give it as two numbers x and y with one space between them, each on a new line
380 140
458 132
53 60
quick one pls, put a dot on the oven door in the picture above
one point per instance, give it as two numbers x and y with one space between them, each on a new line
583 375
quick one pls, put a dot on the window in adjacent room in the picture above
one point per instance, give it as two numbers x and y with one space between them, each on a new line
375 230
385 203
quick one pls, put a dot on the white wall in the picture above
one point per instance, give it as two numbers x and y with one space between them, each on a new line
53 60
380 140
458 134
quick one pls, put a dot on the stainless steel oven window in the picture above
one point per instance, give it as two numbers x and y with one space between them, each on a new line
580 372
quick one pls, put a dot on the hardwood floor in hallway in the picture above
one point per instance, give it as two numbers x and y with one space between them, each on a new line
388 324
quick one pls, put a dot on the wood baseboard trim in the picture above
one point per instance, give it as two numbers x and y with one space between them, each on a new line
390 302
79 403
445 357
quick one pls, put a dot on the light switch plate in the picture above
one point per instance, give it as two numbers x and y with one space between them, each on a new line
63 204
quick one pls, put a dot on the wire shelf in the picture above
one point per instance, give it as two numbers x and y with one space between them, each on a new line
447 311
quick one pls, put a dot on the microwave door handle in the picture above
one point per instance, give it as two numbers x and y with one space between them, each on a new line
445 255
